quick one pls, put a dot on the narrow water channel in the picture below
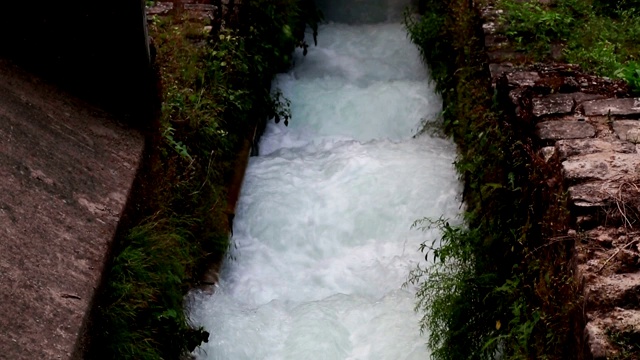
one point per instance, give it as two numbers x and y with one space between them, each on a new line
322 241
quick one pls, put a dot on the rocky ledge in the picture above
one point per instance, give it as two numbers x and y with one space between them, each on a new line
591 128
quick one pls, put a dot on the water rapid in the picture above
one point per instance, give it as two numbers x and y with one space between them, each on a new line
322 239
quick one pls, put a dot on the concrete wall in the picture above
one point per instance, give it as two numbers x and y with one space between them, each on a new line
66 171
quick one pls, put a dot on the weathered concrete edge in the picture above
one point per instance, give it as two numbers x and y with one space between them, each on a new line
128 217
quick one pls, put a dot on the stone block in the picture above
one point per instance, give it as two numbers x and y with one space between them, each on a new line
495 41
628 106
602 166
199 7
498 70
554 104
572 147
489 28
597 343
159 8
618 320
580 97
616 290
592 194
559 129
505 55
522 78
627 130
554 83
490 13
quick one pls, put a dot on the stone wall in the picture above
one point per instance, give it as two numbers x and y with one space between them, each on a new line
591 128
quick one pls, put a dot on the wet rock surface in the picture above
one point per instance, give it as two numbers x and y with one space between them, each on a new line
65 173
591 126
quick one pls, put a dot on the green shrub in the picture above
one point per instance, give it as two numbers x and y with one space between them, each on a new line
534 26
428 32
451 316
147 286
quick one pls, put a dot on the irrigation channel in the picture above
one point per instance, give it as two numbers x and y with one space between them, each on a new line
323 239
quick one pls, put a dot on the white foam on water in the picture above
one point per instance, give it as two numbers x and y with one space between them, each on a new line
323 239
362 82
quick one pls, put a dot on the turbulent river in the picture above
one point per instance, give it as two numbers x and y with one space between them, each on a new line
323 239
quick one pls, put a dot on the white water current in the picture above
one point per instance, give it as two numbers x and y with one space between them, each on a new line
322 241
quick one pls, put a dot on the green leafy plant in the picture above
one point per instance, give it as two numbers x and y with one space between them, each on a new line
179 147
428 31
534 26
443 289
631 74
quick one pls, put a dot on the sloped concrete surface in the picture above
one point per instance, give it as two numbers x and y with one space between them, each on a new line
65 174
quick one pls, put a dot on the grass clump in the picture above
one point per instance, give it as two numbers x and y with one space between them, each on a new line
600 36
214 91
146 282
628 343
497 288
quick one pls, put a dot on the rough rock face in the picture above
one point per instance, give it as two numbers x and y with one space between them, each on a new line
592 129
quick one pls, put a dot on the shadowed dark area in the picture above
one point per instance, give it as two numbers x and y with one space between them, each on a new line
95 49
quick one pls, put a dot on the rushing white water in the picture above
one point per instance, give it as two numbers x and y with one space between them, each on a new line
322 241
